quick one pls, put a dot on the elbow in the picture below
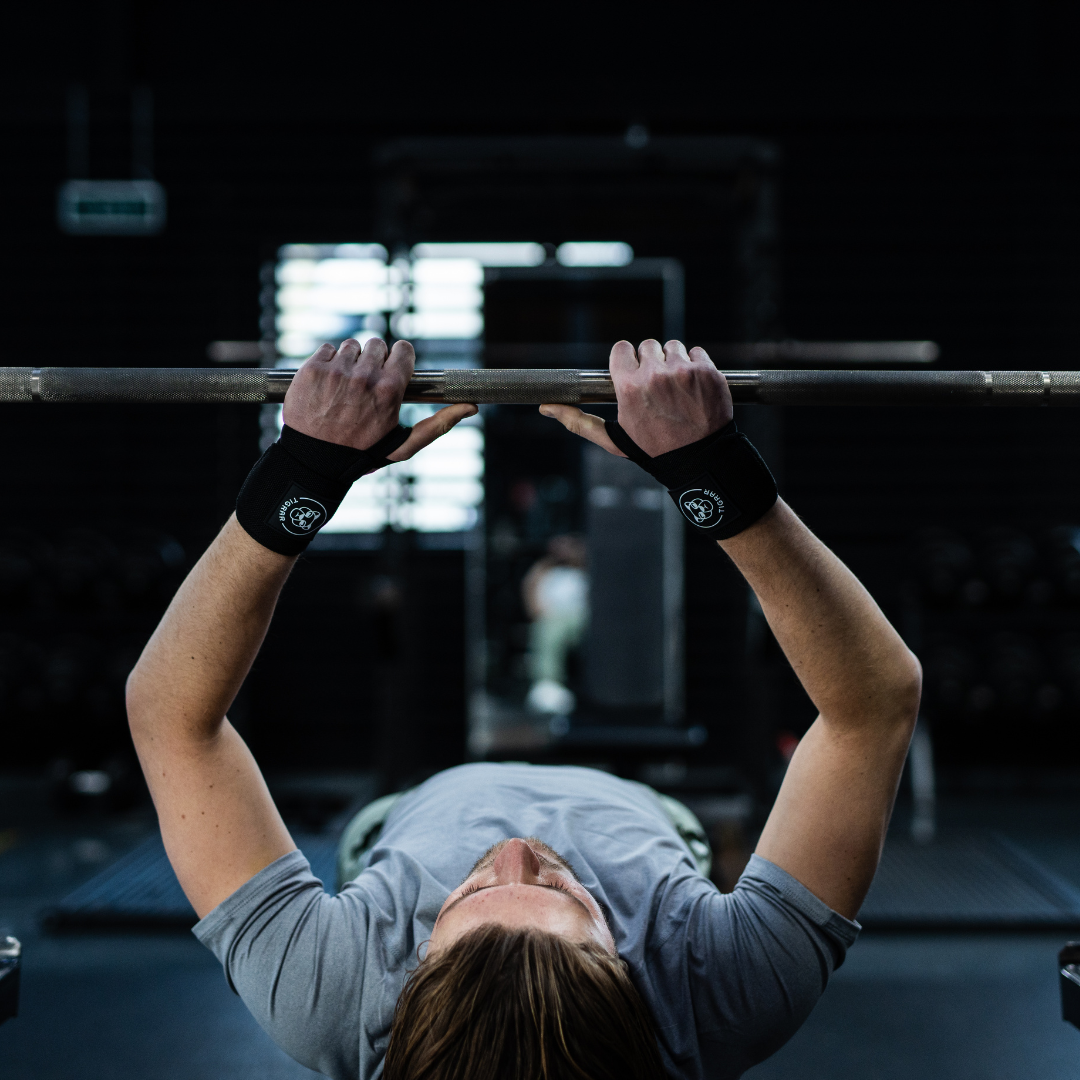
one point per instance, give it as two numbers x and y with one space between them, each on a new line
136 703
906 691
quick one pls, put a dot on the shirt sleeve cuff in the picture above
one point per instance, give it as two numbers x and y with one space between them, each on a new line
248 897
799 896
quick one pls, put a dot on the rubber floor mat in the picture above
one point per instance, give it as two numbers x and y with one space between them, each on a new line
968 881
140 890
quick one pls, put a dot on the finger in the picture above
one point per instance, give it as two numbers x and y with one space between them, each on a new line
430 428
587 425
402 358
699 356
675 352
650 353
623 359
325 352
371 357
348 351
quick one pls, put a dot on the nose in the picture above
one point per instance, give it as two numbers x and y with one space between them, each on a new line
516 864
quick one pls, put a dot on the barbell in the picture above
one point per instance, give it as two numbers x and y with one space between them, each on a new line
90 385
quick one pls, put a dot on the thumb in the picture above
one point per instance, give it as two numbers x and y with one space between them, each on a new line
587 425
430 428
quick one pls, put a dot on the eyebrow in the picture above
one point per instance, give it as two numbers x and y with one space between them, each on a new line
577 900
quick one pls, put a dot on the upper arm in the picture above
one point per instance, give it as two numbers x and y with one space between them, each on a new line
218 821
828 824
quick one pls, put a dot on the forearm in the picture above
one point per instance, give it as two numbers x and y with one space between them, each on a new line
827 825
829 820
852 663
193 666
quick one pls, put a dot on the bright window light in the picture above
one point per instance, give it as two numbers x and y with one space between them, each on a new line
312 321
594 253
352 272
437 490
326 292
361 251
487 254
292 346
435 297
333 251
429 517
344 299
332 292
357 516
447 490
438 324
457 272
448 297
296 271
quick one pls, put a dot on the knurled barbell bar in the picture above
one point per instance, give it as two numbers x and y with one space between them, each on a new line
87 385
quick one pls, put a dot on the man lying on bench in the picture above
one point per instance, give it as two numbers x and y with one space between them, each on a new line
516 921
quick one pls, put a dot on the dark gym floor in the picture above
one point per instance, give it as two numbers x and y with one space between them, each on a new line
149 1006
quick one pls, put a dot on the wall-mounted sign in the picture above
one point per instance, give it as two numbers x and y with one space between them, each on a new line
111 207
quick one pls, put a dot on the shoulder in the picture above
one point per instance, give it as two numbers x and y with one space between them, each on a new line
731 976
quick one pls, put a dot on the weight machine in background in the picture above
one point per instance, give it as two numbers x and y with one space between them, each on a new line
627 673
700 216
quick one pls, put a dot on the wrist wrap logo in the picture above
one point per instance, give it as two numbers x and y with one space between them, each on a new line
706 506
300 514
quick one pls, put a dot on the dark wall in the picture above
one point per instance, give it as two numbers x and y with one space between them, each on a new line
930 154
364 665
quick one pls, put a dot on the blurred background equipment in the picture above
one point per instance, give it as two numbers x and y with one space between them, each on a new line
76 608
634 653
555 592
134 207
624 672
1069 981
997 612
10 963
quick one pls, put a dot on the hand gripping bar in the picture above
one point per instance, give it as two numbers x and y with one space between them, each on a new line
86 385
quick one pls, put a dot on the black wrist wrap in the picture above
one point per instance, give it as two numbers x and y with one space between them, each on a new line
296 486
720 483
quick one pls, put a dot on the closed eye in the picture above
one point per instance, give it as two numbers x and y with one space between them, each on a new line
479 888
